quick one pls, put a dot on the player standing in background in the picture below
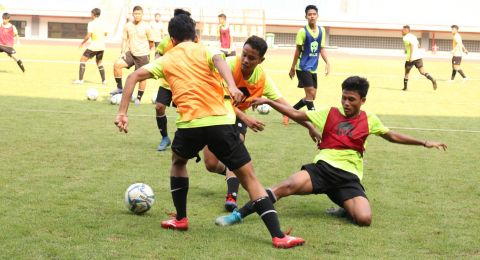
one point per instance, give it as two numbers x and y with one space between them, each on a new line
135 50
9 34
157 31
225 35
206 117
252 80
414 57
96 32
457 50
310 43
337 170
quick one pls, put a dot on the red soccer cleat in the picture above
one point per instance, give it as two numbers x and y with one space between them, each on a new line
287 242
173 223
230 202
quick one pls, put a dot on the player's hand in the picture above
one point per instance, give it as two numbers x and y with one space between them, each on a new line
439 146
80 45
236 94
292 72
327 69
255 124
315 135
121 121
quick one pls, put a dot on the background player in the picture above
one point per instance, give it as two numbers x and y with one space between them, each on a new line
338 168
9 34
157 31
225 36
414 57
96 33
457 50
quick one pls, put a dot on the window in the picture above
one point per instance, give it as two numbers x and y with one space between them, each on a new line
67 30
20 27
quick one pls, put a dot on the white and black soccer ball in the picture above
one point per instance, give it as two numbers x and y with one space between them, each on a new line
139 198
116 99
264 109
92 94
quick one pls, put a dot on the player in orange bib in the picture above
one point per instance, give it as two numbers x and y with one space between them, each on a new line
206 117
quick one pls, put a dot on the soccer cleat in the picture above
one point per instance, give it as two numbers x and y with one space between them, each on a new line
116 91
464 79
137 102
285 120
404 88
228 220
230 202
434 83
104 83
164 144
78 81
173 223
287 241
337 212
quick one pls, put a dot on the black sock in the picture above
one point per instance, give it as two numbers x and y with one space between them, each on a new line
162 125
454 72
405 83
119 83
301 103
102 72
264 208
310 105
20 64
461 73
81 71
232 186
248 208
179 190
428 76
271 195
140 94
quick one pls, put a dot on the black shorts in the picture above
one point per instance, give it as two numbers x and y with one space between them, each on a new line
223 140
241 126
164 96
409 64
306 79
138 61
456 60
90 54
7 50
338 184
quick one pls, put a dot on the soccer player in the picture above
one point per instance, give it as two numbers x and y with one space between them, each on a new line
225 35
136 45
338 168
8 34
164 94
206 117
414 57
252 80
157 31
96 33
457 50
310 43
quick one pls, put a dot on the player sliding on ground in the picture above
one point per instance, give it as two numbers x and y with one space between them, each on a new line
206 117
338 168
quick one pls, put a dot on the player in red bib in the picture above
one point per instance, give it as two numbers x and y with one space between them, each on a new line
8 33
338 168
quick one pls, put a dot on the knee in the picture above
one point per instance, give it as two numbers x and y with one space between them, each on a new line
211 165
160 108
178 161
363 219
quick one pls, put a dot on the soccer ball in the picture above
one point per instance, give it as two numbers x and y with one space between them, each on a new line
92 94
139 198
264 109
116 99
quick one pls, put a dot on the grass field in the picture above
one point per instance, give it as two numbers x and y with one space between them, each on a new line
64 168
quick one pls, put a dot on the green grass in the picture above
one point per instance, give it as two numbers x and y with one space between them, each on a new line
64 168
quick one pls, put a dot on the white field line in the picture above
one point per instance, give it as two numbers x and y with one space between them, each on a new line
152 115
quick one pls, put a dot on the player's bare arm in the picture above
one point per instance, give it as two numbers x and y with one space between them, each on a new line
399 138
251 122
226 74
297 115
312 131
85 39
298 50
323 53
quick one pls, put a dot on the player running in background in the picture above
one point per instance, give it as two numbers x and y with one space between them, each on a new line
338 168
96 33
157 31
252 80
206 117
9 34
225 36
310 43
457 50
135 50
414 57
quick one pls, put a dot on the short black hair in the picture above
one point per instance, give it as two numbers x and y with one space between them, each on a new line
258 44
180 11
309 7
137 7
181 28
5 16
455 27
406 27
356 83
222 15
96 12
